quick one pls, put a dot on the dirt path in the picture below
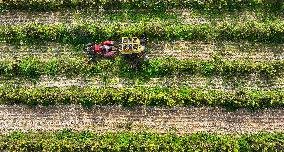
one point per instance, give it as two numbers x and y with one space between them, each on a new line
72 16
182 120
186 16
206 51
178 49
69 16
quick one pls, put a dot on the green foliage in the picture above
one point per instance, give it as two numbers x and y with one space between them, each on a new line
30 67
6 68
68 140
148 96
51 67
83 33
33 67
144 4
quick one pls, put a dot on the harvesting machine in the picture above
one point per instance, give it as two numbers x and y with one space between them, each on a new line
132 48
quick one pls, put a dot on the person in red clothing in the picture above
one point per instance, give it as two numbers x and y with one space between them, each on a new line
106 49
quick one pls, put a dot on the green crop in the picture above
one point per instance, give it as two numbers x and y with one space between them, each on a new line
33 67
82 33
148 96
68 140
142 4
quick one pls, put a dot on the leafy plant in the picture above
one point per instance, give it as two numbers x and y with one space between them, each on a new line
30 67
73 66
156 5
83 33
148 96
68 140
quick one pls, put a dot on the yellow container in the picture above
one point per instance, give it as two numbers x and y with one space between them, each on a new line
130 45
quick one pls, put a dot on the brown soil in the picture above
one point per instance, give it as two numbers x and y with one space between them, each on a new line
113 118
178 49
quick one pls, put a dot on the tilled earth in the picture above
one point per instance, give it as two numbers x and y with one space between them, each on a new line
185 16
115 118
178 49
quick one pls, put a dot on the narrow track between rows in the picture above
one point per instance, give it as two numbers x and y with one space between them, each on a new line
114 118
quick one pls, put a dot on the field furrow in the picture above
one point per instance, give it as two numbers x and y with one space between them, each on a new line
90 16
162 120
177 49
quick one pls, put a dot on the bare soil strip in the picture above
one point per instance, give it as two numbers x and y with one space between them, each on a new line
178 49
49 47
106 118
183 15
72 16
237 16
18 17
207 50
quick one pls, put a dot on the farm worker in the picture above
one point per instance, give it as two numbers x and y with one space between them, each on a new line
106 48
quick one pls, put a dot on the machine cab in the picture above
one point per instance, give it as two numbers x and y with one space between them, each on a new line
130 45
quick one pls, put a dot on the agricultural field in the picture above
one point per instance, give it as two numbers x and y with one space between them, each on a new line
213 80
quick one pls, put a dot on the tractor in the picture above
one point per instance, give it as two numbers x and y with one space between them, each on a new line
131 49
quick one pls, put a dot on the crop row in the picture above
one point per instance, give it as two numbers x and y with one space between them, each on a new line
147 96
33 67
176 16
144 4
82 33
67 140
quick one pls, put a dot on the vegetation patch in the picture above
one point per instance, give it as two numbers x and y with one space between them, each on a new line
148 96
157 5
83 33
68 140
